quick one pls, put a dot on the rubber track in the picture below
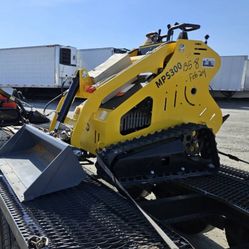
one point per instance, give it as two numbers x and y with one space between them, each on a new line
88 216
112 152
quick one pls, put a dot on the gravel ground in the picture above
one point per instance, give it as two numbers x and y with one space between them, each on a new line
232 138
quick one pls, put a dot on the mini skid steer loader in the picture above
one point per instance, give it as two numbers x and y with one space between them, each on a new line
156 116
147 121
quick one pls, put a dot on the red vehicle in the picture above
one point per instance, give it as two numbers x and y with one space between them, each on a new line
12 111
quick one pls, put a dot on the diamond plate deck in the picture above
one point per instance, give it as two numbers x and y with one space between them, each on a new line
229 186
88 216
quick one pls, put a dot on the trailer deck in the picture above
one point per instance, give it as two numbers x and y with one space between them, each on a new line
87 216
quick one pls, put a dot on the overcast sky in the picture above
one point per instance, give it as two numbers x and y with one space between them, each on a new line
121 23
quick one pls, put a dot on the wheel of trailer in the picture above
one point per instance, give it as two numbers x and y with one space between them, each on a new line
236 234
7 239
190 227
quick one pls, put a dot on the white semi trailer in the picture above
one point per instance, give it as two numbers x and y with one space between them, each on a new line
232 80
37 67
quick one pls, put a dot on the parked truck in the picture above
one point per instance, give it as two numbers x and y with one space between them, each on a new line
48 66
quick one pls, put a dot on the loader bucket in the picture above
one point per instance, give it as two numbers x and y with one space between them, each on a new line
36 164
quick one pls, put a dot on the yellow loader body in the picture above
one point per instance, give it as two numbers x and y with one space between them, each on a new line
178 90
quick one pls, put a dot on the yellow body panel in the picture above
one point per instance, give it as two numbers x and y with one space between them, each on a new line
85 81
180 94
